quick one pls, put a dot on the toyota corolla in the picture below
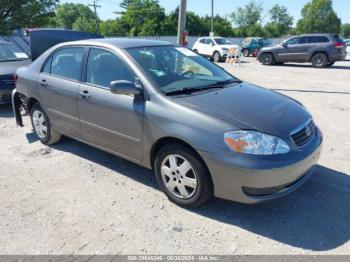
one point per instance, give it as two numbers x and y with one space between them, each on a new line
204 132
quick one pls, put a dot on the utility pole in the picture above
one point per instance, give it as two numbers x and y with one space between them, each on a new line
182 22
95 6
212 19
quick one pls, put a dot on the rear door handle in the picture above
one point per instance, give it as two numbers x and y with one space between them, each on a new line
43 83
85 94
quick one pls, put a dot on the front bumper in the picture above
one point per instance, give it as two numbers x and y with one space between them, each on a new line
232 182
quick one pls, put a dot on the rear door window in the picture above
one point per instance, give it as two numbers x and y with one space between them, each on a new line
202 41
67 62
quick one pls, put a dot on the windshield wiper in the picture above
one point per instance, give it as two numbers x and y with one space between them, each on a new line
225 82
186 90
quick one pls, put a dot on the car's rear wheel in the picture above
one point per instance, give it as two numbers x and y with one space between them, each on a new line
182 176
267 59
319 60
42 127
246 53
216 57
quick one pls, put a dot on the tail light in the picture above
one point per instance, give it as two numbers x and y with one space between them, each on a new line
15 77
339 44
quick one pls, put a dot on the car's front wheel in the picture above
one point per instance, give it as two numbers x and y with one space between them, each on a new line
182 176
42 127
319 60
267 59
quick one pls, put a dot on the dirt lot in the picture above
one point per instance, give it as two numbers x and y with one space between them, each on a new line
73 199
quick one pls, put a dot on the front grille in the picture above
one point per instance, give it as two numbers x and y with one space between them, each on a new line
7 81
304 135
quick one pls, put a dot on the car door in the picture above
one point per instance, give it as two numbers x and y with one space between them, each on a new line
292 51
110 120
210 47
59 84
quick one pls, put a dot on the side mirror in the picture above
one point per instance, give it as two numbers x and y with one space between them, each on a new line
123 87
285 44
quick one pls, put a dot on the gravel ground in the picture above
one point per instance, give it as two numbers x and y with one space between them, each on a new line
73 199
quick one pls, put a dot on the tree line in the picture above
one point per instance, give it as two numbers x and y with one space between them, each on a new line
148 18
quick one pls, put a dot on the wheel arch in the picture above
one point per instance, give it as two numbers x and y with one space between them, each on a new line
30 102
157 145
319 52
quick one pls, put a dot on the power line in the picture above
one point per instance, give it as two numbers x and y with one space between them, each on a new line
95 6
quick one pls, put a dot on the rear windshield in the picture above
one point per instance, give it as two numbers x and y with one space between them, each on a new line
338 39
9 52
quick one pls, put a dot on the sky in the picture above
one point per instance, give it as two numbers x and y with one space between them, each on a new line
221 7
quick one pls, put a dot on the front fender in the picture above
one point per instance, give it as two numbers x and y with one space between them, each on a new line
16 106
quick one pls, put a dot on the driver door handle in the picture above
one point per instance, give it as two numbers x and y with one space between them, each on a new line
85 94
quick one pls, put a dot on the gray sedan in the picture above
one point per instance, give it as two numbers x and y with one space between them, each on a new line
204 132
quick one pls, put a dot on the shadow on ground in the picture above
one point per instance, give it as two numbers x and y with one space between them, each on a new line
315 217
6 111
334 67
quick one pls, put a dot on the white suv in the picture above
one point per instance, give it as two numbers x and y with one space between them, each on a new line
213 47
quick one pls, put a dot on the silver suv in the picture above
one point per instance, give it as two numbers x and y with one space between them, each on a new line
321 50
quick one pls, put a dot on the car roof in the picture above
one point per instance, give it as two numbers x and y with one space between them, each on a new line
318 34
121 42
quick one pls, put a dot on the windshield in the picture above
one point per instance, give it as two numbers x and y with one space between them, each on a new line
176 68
10 52
222 41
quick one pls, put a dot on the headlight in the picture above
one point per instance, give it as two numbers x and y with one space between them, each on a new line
255 143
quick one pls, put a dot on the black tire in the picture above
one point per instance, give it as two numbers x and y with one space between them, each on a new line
267 59
246 53
330 64
50 136
319 60
204 189
216 57
195 50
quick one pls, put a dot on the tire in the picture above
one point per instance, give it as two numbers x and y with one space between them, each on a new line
267 59
41 126
195 50
246 52
189 188
216 57
330 64
319 60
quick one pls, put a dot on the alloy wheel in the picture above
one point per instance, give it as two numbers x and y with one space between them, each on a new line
39 124
179 176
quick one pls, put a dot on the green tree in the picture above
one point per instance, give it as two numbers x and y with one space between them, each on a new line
222 26
67 14
248 18
345 30
318 16
84 24
143 17
16 14
113 27
281 22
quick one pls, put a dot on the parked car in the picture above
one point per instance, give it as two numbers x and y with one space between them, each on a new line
214 47
321 50
11 57
252 45
203 131
347 41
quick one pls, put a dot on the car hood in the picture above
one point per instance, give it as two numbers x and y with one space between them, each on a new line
247 106
8 68
229 46
267 48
